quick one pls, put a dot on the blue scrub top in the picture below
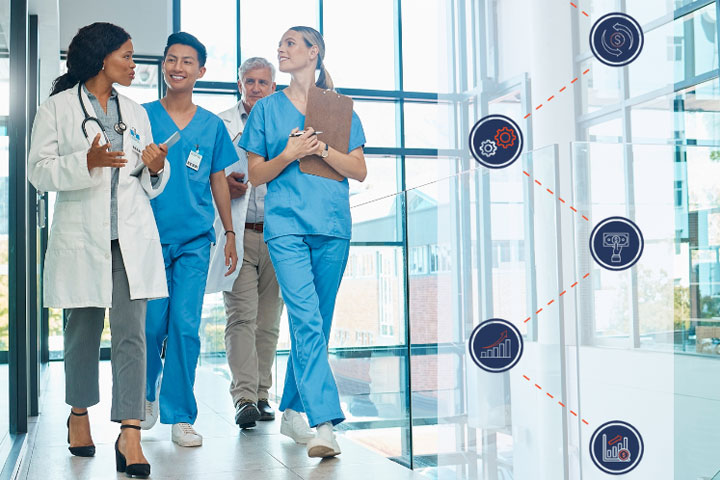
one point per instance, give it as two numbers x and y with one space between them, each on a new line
297 203
184 212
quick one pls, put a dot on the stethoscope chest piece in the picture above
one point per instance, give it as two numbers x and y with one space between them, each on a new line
120 127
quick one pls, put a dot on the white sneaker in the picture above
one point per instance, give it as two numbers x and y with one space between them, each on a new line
185 435
324 443
152 412
293 425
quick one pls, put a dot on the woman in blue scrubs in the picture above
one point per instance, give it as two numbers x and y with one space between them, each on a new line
307 230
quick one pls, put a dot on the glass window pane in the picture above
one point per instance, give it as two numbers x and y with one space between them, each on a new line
378 121
4 84
429 125
602 86
145 86
427 46
215 102
374 206
660 56
219 35
260 37
346 42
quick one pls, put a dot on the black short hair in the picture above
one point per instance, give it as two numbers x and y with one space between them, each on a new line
184 38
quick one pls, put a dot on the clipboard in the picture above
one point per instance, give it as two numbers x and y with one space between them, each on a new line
330 112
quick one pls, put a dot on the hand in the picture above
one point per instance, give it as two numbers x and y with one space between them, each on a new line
299 147
154 157
236 185
100 156
231 258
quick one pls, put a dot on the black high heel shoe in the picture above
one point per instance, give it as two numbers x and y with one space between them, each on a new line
138 470
86 451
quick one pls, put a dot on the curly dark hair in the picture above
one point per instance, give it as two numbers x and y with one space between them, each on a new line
87 51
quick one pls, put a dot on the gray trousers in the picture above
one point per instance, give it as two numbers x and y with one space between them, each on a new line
82 348
253 311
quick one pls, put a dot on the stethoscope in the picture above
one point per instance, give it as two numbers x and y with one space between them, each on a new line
119 127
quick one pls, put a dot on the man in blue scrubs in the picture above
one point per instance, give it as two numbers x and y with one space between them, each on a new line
184 216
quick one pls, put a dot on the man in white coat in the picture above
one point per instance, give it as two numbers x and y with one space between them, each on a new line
252 297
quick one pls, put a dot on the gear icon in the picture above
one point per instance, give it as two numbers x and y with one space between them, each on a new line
488 148
505 137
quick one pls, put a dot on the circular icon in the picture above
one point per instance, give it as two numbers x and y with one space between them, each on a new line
616 39
616 243
616 447
496 345
495 141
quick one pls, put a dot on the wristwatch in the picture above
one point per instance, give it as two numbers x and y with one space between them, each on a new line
325 152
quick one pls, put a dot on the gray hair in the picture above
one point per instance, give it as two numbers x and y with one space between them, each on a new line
253 63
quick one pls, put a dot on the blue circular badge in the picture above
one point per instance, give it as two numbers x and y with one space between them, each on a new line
616 243
616 39
616 447
496 345
495 141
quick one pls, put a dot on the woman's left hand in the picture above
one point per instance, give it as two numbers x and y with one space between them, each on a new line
154 157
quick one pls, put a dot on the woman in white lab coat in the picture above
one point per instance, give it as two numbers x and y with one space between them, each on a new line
94 147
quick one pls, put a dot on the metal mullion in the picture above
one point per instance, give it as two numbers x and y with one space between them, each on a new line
321 20
176 11
17 298
406 440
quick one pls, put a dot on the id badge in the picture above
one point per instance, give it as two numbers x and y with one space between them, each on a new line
194 159
135 141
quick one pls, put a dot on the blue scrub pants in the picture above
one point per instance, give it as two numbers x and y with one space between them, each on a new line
177 318
309 269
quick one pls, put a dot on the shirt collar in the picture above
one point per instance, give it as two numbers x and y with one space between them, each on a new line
113 93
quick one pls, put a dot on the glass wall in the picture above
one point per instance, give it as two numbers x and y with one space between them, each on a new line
4 215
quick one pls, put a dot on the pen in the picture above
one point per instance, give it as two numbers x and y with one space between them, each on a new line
297 134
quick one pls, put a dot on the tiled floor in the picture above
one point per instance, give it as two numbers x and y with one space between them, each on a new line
227 453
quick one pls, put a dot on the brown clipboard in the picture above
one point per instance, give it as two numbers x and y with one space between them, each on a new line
331 113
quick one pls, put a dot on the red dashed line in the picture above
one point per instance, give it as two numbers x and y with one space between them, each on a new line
559 198
583 11
561 90
559 402
553 300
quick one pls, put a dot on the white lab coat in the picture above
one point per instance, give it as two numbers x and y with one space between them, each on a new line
78 262
217 281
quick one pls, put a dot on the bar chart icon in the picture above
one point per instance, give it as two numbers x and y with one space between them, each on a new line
502 348
616 447
616 450
496 345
